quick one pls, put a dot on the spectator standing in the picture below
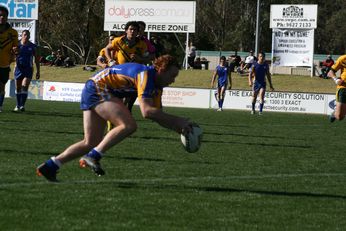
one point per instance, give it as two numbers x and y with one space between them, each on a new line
23 71
191 55
98 105
9 48
224 79
257 80
326 66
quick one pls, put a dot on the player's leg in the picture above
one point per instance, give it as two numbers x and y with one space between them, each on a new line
4 76
261 95
117 113
255 91
124 125
340 107
25 87
18 84
222 96
94 127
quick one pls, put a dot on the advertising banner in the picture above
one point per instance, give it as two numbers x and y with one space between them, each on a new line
58 91
19 25
293 47
279 102
293 16
160 16
185 97
21 9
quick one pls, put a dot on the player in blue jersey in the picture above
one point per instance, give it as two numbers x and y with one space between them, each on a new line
99 105
257 80
24 69
224 79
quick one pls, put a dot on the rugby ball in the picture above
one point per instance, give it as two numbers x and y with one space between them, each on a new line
192 140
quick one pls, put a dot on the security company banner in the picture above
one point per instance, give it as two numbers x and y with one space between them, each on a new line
160 16
293 47
280 102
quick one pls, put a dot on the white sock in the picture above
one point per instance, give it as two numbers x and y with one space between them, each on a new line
56 161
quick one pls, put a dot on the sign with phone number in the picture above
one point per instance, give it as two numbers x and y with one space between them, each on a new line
293 16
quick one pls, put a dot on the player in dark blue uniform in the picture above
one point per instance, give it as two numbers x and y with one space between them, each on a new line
257 80
24 69
224 79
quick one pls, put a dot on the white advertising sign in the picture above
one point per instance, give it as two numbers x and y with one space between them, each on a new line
279 102
21 9
293 16
293 47
58 91
160 16
185 97
20 25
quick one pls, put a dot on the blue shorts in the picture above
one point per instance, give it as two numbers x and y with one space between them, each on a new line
90 97
257 86
21 72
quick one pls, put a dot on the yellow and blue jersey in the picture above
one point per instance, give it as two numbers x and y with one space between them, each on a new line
340 64
120 79
8 40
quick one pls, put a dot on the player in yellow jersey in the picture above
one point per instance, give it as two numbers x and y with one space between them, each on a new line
102 60
99 105
8 48
129 48
340 108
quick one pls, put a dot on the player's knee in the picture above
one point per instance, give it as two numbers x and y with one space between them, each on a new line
129 127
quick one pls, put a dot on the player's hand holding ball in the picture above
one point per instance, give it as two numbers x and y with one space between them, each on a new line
192 138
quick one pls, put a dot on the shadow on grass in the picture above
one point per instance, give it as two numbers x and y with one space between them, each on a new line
134 185
53 114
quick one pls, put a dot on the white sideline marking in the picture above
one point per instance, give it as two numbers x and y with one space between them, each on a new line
153 180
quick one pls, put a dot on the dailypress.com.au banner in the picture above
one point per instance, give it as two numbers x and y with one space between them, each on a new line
293 47
160 16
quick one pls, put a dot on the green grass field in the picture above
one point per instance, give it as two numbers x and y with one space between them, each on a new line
272 172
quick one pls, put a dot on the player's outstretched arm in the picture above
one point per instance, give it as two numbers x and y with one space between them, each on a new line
175 123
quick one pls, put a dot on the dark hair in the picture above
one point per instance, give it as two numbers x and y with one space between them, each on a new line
2 8
262 53
132 23
26 31
223 58
112 35
142 23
